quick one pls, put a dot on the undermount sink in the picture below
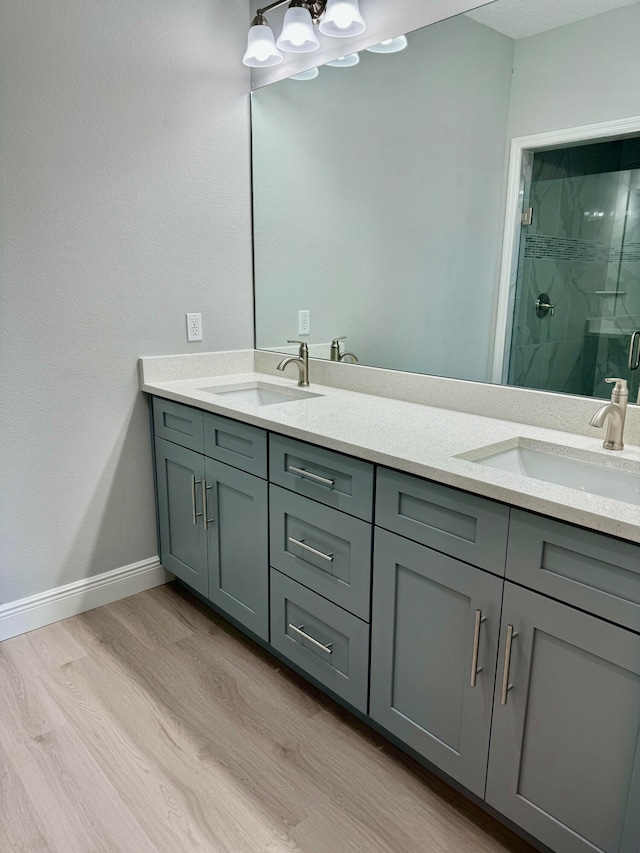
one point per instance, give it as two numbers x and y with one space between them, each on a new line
554 464
260 393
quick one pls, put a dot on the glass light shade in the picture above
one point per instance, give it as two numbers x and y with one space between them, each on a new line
298 35
311 74
389 45
342 19
261 48
345 61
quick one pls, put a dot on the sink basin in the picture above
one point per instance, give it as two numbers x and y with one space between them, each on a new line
555 464
260 393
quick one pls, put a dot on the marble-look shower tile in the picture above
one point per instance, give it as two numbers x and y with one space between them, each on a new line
545 198
588 207
630 213
585 303
542 275
563 367
630 154
525 368
611 361
550 165
627 304
526 169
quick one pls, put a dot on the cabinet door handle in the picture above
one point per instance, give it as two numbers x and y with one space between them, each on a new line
298 629
506 687
314 551
301 472
634 352
194 515
475 669
205 505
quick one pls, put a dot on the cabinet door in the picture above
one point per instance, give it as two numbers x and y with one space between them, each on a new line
237 511
183 543
565 755
424 638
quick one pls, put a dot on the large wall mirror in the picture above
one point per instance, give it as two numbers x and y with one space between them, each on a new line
392 204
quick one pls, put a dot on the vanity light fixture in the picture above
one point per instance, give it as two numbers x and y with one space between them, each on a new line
389 45
335 18
298 35
345 61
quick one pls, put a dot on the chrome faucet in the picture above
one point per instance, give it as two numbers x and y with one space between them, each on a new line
301 362
614 413
336 355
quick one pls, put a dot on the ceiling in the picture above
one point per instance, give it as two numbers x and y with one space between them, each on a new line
522 18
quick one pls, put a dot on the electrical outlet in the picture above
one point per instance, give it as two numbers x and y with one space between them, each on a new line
304 322
194 327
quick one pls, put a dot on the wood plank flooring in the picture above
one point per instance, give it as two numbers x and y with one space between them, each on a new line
152 726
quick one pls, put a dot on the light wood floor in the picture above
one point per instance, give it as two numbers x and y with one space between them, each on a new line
151 725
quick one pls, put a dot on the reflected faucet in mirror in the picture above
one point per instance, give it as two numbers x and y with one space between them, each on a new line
336 355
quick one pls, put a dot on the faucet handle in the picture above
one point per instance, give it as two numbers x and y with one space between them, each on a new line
620 387
304 346
336 341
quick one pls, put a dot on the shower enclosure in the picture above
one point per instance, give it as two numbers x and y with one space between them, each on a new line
577 296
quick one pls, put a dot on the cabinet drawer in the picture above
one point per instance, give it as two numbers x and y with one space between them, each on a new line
321 638
326 550
241 445
589 570
178 423
324 475
468 527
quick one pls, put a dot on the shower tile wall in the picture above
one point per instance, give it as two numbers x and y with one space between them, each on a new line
583 250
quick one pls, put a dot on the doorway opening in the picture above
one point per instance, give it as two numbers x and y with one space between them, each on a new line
577 289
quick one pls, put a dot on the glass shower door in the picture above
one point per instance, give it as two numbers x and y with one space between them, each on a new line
577 295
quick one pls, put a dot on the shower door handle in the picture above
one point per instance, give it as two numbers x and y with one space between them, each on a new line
634 351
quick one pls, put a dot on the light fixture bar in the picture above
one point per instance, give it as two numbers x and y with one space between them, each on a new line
316 7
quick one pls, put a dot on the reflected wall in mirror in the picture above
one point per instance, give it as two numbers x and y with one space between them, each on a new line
380 193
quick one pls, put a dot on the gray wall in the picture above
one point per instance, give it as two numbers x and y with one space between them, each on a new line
124 194
377 205
578 74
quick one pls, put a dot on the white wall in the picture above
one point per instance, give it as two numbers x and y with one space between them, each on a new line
377 204
578 74
124 201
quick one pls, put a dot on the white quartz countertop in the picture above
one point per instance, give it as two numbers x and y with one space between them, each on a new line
422 440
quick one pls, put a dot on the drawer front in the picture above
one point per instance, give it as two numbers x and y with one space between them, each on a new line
178 423
326 550
321 638
467 527
324 475
594 572
241 445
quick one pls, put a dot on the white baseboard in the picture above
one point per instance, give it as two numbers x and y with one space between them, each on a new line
33 612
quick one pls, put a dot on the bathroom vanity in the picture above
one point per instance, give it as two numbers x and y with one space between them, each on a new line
501 645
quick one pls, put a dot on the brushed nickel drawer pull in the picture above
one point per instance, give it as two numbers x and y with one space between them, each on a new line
475 669
298 629
194 515
506 687
311 476
205 505
314 551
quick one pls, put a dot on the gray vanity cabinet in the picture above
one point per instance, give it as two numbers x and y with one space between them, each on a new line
183 542
213 517
236 522
565 748
434 621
